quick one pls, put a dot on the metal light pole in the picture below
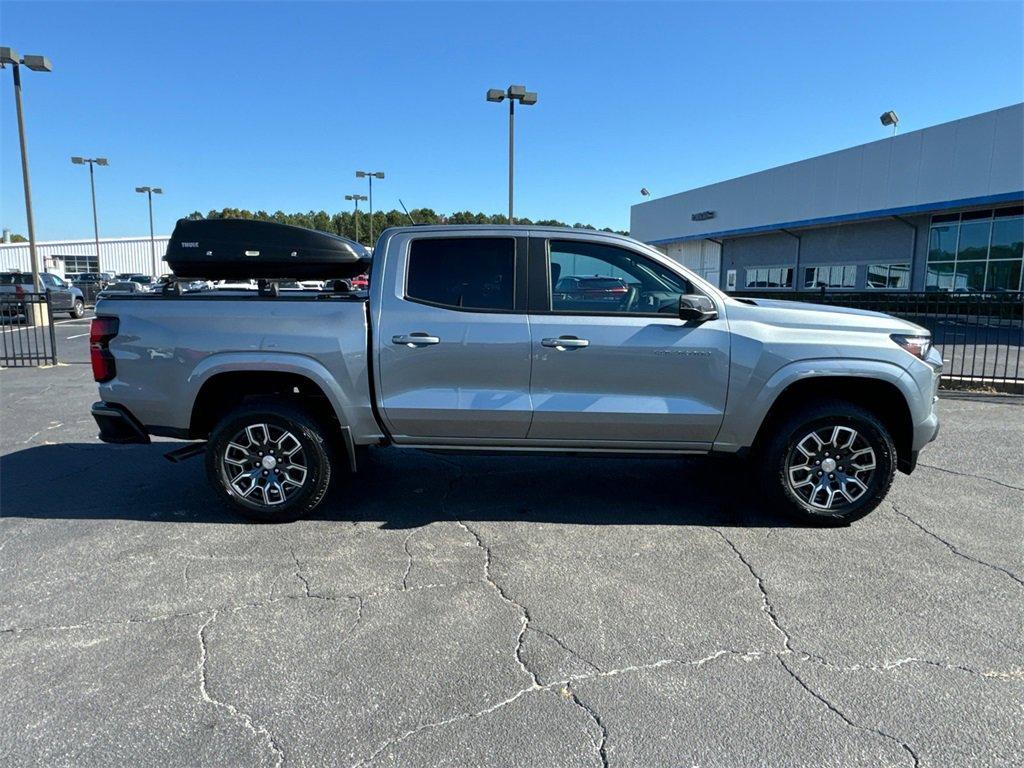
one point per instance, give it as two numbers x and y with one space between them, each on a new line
150 191
92 185
514 93
371 175
36 64
357 198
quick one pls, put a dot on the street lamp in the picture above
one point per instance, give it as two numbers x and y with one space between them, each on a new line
527 99
92 184
357 198
890 118
36 64
371 175
150 191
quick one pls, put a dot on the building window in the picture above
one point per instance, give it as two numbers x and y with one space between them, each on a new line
831 276
976 251
769 277
894 277
79 265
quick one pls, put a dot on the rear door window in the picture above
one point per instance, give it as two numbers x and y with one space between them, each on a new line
468 273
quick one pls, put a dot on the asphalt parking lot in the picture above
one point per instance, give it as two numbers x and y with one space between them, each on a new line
493 611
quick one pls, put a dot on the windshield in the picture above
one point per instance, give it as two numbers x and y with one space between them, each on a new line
16 278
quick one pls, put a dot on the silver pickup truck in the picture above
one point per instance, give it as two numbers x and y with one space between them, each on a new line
518 339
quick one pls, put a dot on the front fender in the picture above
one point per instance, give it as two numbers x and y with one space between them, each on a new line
748 406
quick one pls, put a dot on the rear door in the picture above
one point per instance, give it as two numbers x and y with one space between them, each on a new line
58 290
453 339
614 365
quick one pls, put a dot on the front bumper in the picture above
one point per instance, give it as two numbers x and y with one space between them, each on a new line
117 425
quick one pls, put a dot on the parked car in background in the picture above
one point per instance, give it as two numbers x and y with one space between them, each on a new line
359 282
121 287
63 296
90 284
594 292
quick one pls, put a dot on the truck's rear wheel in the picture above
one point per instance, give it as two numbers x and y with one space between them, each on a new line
267 461
829 464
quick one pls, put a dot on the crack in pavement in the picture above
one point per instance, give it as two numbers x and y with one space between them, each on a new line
769 610
571 651
300 577
520 608
560 686
257 730
954 549
408 564
839 713
802 654
224 608
968 474
602 745
766 605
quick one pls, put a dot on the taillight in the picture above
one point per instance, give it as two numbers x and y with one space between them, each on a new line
102 330
19 291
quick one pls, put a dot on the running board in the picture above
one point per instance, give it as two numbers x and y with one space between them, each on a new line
179 455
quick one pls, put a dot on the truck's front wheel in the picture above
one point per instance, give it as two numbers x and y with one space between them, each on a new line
829 463
267 461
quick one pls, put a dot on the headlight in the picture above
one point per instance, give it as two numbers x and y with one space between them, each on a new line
918 346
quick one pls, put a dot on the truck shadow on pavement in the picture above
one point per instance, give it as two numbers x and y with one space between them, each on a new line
397 488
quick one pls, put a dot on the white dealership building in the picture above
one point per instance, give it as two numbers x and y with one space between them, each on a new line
74 257
938 209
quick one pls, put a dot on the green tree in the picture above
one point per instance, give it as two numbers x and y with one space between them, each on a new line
343 223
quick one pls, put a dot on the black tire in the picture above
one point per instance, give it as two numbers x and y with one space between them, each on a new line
781 456
77 309
314 454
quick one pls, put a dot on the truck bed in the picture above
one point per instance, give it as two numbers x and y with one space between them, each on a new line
169 346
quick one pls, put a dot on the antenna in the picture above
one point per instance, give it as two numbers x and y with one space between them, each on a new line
407 212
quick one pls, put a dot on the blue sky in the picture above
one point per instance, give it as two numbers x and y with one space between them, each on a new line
274 105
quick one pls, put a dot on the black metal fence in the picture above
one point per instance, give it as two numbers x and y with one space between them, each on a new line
26 330
980 335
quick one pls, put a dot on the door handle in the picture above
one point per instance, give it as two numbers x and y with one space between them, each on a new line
413 340
565 342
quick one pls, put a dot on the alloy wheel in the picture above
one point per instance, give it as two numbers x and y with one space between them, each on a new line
265 464
831 467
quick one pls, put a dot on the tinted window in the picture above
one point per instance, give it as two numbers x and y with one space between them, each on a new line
1007 239
591 277
463 272
942 246
896 276
769 277
831 276
15 278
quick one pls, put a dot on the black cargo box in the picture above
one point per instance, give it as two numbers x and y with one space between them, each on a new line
234 249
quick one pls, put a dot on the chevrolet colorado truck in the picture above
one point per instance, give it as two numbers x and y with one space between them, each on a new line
465 342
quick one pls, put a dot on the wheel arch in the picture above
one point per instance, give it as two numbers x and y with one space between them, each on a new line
220 384
882 396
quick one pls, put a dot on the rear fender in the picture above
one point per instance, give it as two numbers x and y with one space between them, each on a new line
346 406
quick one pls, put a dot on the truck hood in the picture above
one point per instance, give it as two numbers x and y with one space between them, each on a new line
823 316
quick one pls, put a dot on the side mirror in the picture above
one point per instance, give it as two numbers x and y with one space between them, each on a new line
696 307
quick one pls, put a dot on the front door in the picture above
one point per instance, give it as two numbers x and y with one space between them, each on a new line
612 361
454 339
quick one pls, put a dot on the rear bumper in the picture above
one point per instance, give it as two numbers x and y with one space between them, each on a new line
117 425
